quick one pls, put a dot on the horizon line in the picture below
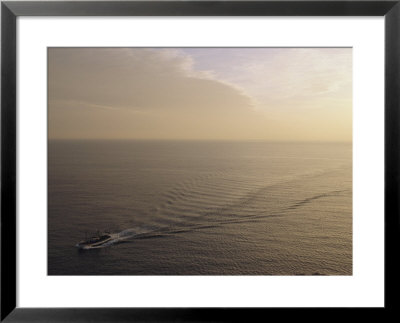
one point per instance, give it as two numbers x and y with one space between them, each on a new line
204 140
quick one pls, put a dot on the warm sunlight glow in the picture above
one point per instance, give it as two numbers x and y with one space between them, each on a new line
278 94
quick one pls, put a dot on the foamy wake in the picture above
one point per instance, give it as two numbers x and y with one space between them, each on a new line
121 236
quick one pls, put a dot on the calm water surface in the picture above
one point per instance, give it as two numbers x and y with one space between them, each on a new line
201 208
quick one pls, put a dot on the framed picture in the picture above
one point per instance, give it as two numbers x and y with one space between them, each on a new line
197 161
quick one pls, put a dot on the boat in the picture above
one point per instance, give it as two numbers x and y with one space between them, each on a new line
95 241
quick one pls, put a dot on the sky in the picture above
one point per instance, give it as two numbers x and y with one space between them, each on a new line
273 94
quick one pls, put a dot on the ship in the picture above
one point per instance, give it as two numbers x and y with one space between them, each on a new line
96 241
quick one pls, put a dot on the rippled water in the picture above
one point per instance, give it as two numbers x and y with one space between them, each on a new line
201 208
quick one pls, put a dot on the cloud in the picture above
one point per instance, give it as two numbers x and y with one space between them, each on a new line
171 93
284 77
137 79
113 92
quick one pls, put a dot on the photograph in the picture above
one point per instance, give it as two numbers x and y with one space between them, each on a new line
200 161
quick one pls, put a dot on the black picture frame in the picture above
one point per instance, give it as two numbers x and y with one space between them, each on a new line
10 10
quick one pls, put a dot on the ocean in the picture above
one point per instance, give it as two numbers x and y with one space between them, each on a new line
200 207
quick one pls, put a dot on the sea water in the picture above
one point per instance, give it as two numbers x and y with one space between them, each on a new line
200 207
